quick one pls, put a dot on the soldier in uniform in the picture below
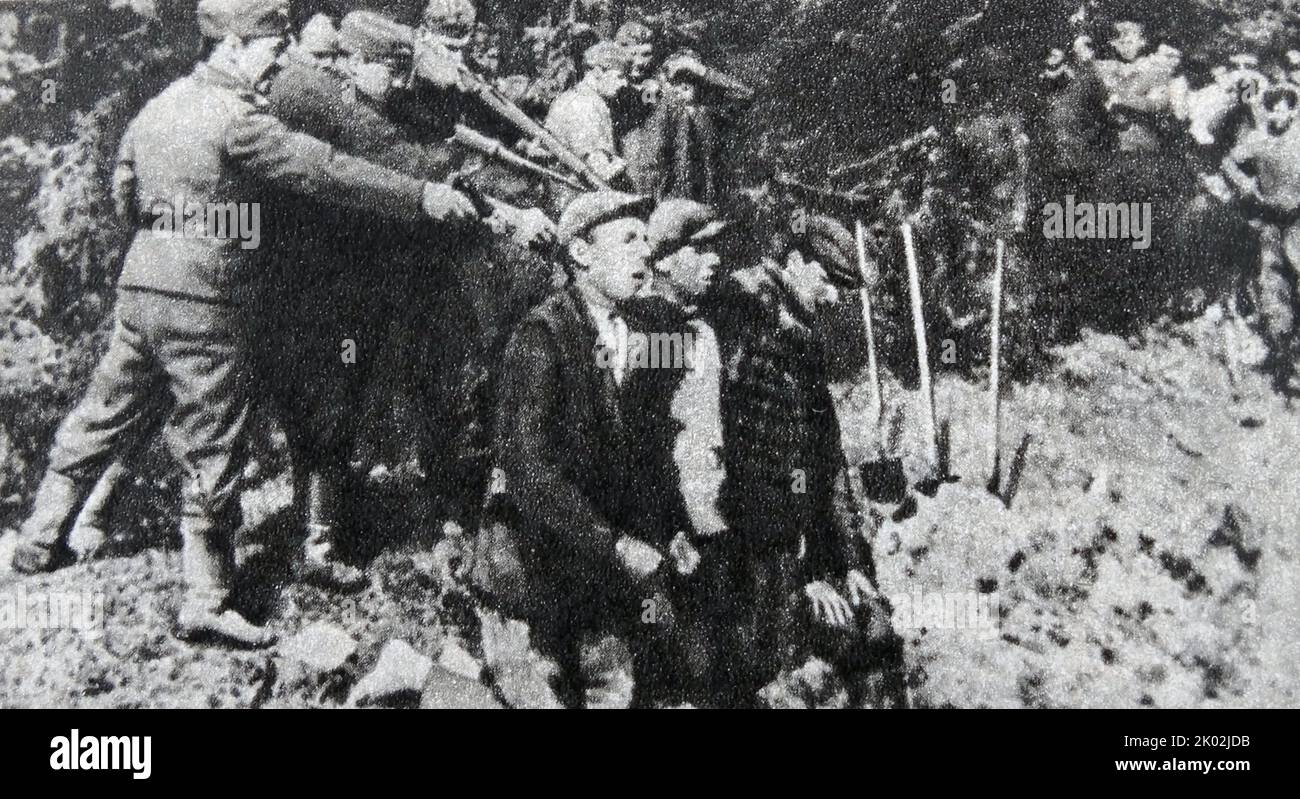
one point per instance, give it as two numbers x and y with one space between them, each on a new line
580 117
202 148
318 41
498 277
326 333
322 395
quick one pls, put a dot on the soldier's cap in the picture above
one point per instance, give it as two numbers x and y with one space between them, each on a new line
677 222
406 12
633 33
451 17
834 248
374 37
587 211
605 55
246 19
318 36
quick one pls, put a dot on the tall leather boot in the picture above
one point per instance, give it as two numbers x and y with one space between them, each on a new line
207 561
318 565
43 542
91 529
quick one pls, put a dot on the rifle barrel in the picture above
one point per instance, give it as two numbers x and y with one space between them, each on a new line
501 104
492 148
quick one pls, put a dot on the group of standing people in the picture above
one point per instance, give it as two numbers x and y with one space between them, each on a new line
344 146
1137 100
697 503
707 481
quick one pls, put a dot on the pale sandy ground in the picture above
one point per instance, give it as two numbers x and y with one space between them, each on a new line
1149 558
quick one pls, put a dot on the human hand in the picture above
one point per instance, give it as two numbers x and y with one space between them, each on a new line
639 558
442 203
859 587
685 556
528 227
828 605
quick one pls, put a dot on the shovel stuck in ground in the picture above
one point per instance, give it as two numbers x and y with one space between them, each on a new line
995 363
922 350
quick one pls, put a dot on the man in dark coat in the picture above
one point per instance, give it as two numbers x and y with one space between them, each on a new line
787 477
562 450
677 149
738 454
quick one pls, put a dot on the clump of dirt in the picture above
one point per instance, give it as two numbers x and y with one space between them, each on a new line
1149 556
125 655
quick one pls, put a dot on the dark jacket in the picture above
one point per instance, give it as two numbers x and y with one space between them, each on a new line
778 421
317 100
204 141
780 428
561 444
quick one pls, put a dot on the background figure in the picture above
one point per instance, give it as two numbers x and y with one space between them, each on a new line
678 150
581 119
1263 167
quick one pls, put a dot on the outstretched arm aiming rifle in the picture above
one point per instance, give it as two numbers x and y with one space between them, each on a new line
492 148
435 64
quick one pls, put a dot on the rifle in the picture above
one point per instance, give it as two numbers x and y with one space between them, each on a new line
498 102
492 148
482 206
485 208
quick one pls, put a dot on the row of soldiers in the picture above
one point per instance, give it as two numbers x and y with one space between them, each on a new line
713 486
353 170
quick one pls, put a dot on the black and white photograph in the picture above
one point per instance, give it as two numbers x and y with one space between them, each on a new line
894 355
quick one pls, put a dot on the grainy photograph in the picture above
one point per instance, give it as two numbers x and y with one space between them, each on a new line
617 354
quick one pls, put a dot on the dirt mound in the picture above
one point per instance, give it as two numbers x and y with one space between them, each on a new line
1149 555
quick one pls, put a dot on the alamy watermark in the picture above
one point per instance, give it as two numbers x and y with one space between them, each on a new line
1086 220
649 351
21 609
190 219
972 611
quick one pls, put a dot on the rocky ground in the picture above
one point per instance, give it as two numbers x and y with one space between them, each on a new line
1148 558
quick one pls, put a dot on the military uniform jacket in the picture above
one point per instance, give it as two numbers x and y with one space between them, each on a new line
318 101
203 143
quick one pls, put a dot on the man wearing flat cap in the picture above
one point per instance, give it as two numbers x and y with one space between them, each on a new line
562 484
204 145
672 404
672 391
788 539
